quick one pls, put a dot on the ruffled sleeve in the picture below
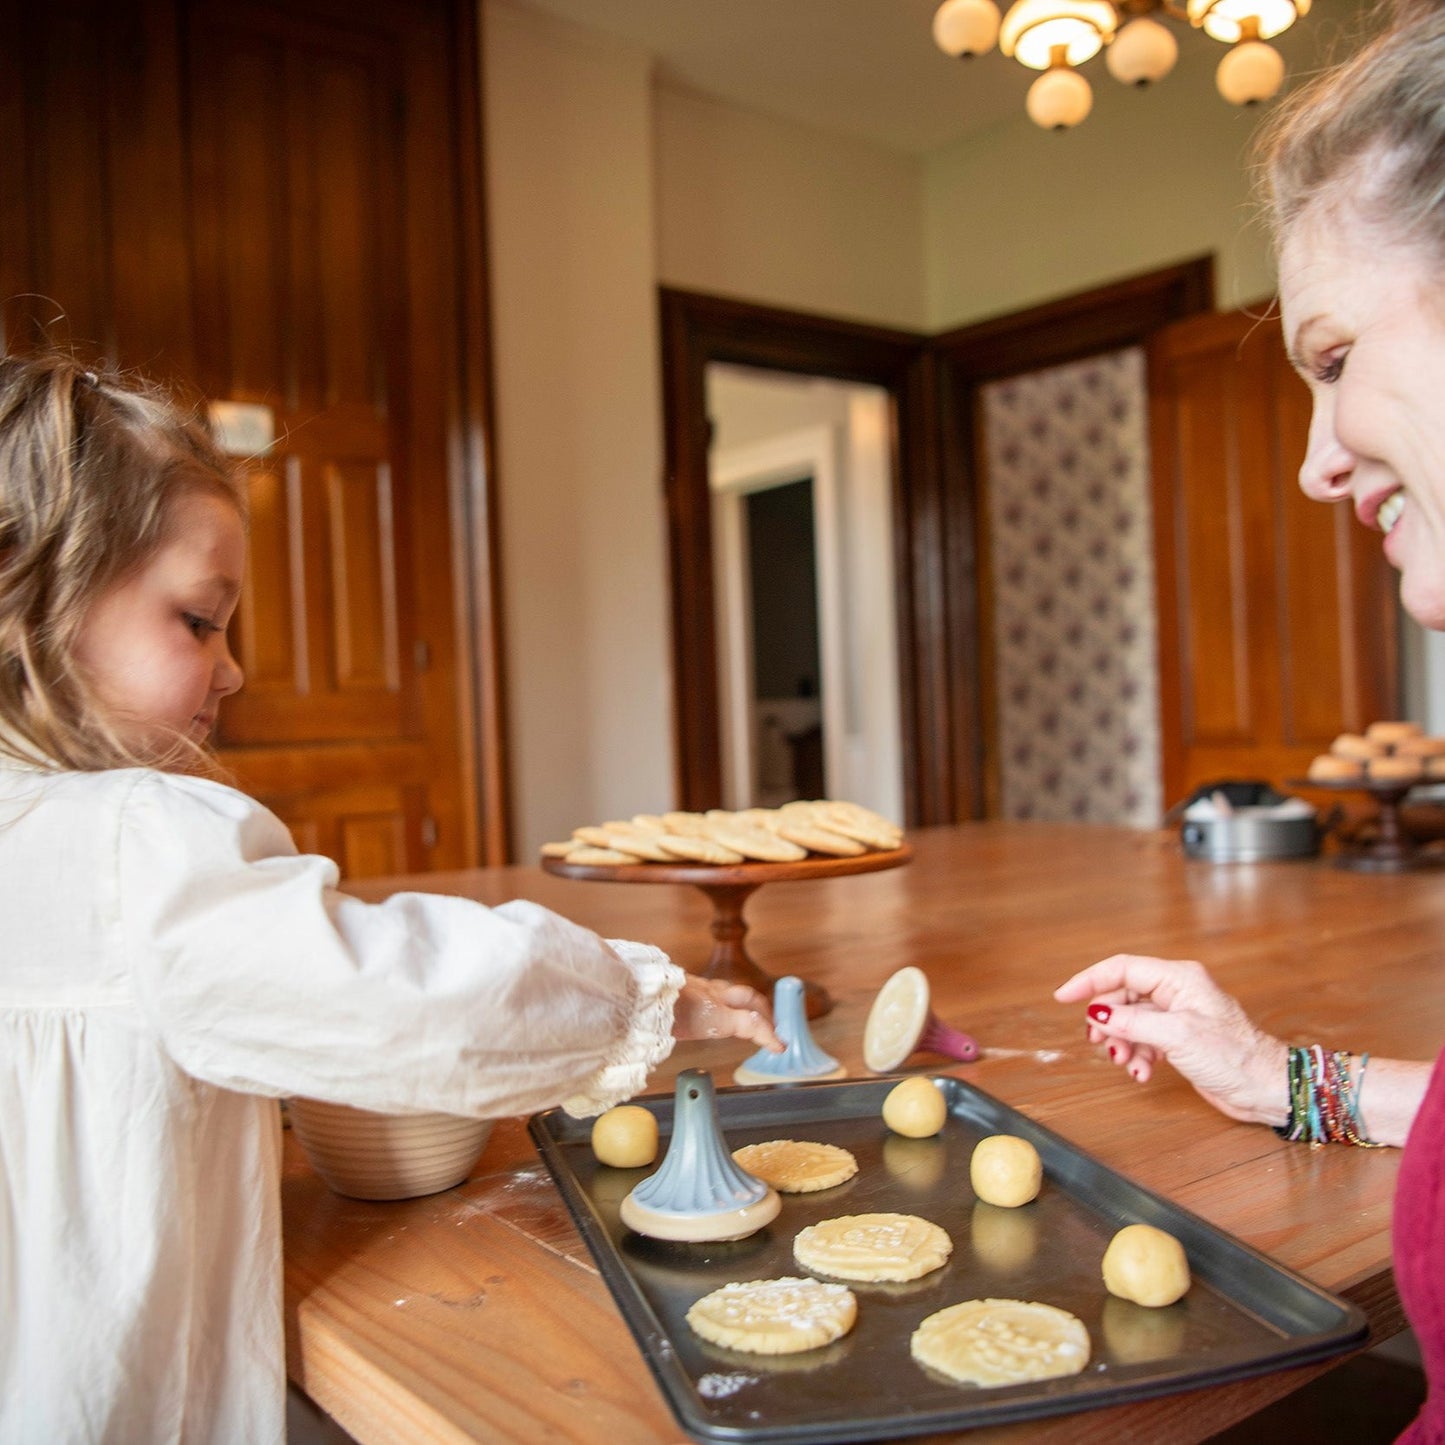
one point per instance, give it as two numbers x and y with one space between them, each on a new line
261 976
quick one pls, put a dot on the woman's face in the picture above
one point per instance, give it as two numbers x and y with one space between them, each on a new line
1364 321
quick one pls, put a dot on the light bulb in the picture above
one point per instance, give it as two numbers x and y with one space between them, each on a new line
1223 20
1033 29
1059 98
1143 51
966 27
1252 71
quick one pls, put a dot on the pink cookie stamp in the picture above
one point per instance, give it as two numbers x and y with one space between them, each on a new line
901 1023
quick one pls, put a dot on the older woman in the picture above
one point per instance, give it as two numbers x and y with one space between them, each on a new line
1354 168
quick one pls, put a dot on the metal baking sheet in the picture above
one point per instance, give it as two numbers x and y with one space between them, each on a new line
1244 1314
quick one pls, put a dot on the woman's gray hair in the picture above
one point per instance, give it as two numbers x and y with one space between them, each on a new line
1371 131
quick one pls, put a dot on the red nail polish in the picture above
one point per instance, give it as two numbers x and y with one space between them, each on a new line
1099 1012
1113 1054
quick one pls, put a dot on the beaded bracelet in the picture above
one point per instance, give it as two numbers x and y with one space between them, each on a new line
1324 1103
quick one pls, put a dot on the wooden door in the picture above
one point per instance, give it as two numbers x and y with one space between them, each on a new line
276 204
1277 615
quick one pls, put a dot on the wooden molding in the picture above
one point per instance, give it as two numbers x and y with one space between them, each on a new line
697 330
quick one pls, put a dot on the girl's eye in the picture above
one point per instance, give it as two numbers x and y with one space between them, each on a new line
1331 367
201 626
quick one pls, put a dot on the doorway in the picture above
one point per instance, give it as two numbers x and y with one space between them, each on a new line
806 598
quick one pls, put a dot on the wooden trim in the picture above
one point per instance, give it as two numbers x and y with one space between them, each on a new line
696 330
1108 318
476 541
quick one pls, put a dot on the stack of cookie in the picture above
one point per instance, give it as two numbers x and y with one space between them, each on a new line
1386 752
829 827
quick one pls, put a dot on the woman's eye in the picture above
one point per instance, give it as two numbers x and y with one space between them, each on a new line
1330 368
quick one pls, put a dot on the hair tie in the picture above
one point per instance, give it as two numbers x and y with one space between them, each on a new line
90 377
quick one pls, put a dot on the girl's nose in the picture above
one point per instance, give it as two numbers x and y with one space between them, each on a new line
228 676
1328 465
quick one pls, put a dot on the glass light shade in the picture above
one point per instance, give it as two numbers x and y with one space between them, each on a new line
1032 30
1250 72
1223 19
1059 98
1143 51
966 27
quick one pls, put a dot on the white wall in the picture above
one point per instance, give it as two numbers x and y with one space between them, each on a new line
578 411
1018 215
601 184
776 213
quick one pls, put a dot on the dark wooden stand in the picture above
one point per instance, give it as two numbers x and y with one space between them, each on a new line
728 887
1391 850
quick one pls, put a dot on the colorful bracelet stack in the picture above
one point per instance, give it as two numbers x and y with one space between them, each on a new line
1324 1103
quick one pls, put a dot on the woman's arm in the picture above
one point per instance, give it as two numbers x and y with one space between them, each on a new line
1143 1009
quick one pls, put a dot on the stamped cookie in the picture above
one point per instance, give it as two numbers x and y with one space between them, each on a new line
594 857
873 1247
774 1316
636 843
853 820
698 850
820 840
796 1166
758 843
1001 1342
685 825
558 850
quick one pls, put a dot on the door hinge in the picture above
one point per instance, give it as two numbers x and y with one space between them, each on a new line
429 832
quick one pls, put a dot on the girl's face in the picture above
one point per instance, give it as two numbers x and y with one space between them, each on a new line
153 647
1364 321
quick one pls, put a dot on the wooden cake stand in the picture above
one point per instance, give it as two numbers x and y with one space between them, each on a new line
728 887
1391 850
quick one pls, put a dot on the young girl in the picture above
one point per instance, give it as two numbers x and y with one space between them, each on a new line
171 966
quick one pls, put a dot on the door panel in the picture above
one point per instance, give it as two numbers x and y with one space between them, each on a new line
259 202
1277 614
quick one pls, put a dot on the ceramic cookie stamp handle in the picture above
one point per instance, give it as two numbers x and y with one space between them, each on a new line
699 1192
801 1060
901 1023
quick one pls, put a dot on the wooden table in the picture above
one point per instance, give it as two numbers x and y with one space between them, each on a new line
477 1314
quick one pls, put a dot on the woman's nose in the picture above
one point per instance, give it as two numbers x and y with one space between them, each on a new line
1328 465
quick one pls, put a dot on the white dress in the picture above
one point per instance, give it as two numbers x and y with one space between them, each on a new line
169 967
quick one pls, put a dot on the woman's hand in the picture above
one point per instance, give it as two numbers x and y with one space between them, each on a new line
709 1008
1150 1008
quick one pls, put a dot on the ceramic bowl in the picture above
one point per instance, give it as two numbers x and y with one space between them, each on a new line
386 1156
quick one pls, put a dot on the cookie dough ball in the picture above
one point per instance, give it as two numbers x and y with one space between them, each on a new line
625 1137
915 1108
1005 1170
1146 1265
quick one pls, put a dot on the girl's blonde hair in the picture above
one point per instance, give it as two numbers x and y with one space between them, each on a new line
91 464
1371 130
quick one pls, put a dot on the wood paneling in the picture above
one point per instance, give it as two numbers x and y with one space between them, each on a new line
265 203
1277 614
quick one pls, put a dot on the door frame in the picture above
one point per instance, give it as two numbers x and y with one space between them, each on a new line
808 453
697 330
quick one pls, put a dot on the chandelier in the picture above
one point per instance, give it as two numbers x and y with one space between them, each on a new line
1055 36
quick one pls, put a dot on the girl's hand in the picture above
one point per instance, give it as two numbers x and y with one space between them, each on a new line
1150 1008
709 1008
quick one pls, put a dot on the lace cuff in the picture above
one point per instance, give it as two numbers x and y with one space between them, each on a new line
648 1040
